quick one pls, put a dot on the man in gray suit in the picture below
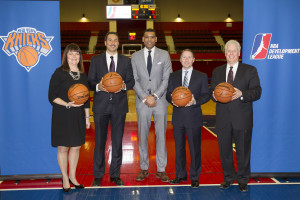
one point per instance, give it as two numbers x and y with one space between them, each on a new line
151 69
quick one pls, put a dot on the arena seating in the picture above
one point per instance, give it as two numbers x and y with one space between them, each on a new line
81 38
232 35
200 41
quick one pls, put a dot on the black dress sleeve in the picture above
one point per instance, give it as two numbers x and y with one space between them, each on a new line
54 85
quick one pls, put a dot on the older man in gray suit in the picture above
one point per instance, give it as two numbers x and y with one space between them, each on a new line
151 69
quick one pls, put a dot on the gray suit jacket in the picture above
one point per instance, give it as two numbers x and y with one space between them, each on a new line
157 82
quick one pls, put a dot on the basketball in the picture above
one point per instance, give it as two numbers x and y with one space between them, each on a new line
181 96
78 93
112 81
28 56
223 92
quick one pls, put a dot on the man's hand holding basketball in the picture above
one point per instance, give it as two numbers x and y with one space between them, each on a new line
101 87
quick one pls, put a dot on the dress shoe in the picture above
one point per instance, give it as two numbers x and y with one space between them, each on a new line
163 176
243 187
117 181
67 190
194 184
76 186
97 182
178 180
142 175
225 185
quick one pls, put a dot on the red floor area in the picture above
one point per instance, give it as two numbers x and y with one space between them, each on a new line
211 165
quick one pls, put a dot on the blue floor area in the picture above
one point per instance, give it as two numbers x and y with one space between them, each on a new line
256 192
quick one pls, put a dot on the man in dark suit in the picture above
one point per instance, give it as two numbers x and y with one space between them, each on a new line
235 119
188 120
109 107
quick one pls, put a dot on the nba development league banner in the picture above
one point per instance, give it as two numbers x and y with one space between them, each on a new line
271 42
29 54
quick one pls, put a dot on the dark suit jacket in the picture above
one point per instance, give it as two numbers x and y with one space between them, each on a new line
238 112
98 69
189 116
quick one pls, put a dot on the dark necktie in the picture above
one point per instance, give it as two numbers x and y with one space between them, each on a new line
111 69
230 76
149 63
185 80
112 65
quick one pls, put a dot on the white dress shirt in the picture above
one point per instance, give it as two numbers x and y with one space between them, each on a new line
234 69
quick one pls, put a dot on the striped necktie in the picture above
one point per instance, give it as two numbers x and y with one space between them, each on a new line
230 76
185 80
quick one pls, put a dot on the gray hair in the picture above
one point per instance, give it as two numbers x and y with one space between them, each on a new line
236 43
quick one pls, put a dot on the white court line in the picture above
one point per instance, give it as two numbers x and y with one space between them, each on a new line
145 186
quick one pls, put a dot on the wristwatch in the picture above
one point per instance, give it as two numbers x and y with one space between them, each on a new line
67 106
155 97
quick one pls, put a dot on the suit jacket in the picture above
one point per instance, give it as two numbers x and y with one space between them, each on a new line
189 116
238 112
158 81
98 69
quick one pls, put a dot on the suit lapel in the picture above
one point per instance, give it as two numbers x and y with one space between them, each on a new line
179 78
192 79
238 74
119 65
104 63
223 72
142 61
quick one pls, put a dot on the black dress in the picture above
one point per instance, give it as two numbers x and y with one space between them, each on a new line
68 125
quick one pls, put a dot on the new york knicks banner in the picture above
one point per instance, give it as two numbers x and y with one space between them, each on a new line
271 42
29 54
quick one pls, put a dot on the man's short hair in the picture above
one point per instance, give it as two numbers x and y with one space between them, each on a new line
150 30
108 33
189 51
236 43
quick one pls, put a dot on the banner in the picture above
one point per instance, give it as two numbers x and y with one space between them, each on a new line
271 43
30 53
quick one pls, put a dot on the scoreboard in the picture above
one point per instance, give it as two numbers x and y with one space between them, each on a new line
143 11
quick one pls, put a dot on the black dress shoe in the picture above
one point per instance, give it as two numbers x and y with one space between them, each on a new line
97 182
117 181
177 180
225 185
67 190
243 187
76 186
195 184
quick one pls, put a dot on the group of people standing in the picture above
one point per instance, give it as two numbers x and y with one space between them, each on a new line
149 73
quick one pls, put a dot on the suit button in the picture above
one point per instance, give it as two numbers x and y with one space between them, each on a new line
149 79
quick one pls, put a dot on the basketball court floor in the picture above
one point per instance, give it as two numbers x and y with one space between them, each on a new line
151 187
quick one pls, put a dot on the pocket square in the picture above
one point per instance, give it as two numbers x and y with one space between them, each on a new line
159 63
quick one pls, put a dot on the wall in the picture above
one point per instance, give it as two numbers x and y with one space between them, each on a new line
190 10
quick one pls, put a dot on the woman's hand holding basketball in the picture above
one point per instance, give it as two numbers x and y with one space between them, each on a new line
72 104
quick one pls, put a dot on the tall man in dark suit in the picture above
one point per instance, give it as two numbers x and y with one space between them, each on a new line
109 107
188 120
151 69
235 119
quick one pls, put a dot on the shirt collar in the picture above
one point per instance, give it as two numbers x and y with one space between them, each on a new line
235 66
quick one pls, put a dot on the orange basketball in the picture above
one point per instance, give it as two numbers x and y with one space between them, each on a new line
78 93
181 96
112 81
224 92
28 56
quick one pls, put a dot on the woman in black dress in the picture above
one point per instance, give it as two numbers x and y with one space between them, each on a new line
69 121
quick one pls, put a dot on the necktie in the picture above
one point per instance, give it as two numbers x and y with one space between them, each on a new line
230 76
112 65
185 80
149 63
111 69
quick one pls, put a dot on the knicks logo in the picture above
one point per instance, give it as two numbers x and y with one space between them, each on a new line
27 45
260 46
